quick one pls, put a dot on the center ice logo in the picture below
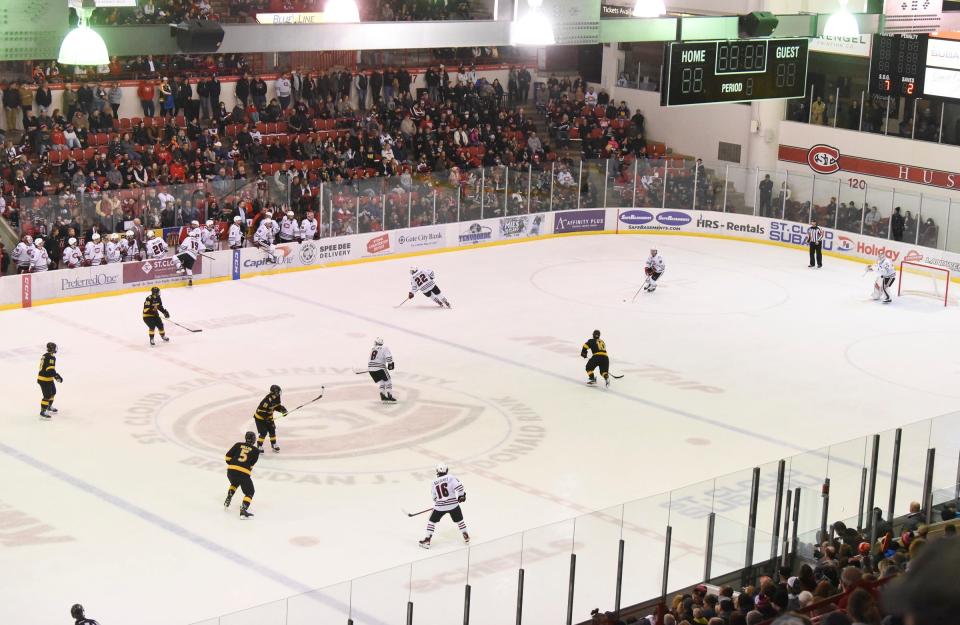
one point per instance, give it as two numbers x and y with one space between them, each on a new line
824 159
348 433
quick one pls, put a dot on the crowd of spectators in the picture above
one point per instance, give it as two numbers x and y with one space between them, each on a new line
464 145
175 11
904 578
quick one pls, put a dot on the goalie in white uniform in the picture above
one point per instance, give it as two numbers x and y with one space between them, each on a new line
155 246
423 280
886 276
448 493
654 268
263 239
379 366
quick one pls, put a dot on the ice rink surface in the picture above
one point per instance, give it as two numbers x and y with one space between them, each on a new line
742 356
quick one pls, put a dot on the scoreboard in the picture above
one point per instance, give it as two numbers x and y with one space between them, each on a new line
898 64
915 66
709 72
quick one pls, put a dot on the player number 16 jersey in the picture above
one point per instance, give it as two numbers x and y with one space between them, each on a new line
446 490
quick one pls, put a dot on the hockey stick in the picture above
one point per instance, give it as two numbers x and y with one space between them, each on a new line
616 377
318 397
205 256
187 328
361 371
409 514
403 302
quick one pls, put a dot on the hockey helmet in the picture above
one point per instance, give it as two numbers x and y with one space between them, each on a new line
596 334
114 237
52 347
38 242
155 291
72 241
441 469
653 251
129 233
209 223
289 213
237 219
151 234
76 611
96 236
195 223
378 341
274 388
413 270
267 221
250 438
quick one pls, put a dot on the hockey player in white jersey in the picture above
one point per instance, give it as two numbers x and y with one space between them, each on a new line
379 366
187 255
886 276
289 228
39 259
129 248
235 237
209 237
308 227
155 246
448 493
72 256
112 248
423 280
263 239
21 254
654 268
94 253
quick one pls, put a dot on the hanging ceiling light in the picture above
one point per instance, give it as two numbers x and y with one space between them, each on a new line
533 29
343 11
842 23
649 8
83 45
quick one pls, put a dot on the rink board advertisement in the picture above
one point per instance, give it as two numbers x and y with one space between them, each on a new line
25 291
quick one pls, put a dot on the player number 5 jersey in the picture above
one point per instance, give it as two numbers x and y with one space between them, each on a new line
446 490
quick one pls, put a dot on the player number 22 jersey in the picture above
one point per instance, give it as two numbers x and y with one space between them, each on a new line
446 490
422 280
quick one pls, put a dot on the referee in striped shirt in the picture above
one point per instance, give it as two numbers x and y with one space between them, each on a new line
815 241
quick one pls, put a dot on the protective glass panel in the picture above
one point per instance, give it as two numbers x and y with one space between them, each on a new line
910 208
826 195
564 186
273 613
876 215
650 176
546 564
740 190
493 574
437 585
593 183
381 597
799 197
597 541
620 183
933 221
644 528
770 194
927 126
853 193
326 605
689 510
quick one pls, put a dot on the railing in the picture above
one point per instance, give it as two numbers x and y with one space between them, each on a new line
378 203
647 548
911 118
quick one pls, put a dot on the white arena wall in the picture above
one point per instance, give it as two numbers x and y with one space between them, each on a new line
23 291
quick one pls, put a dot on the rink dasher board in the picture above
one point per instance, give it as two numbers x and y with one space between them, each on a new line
115 279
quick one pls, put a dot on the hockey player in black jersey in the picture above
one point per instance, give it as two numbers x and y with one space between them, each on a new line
598 359
240 460
263 417
45 378
152 307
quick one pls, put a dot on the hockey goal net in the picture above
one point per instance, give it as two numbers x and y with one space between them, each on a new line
927 280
